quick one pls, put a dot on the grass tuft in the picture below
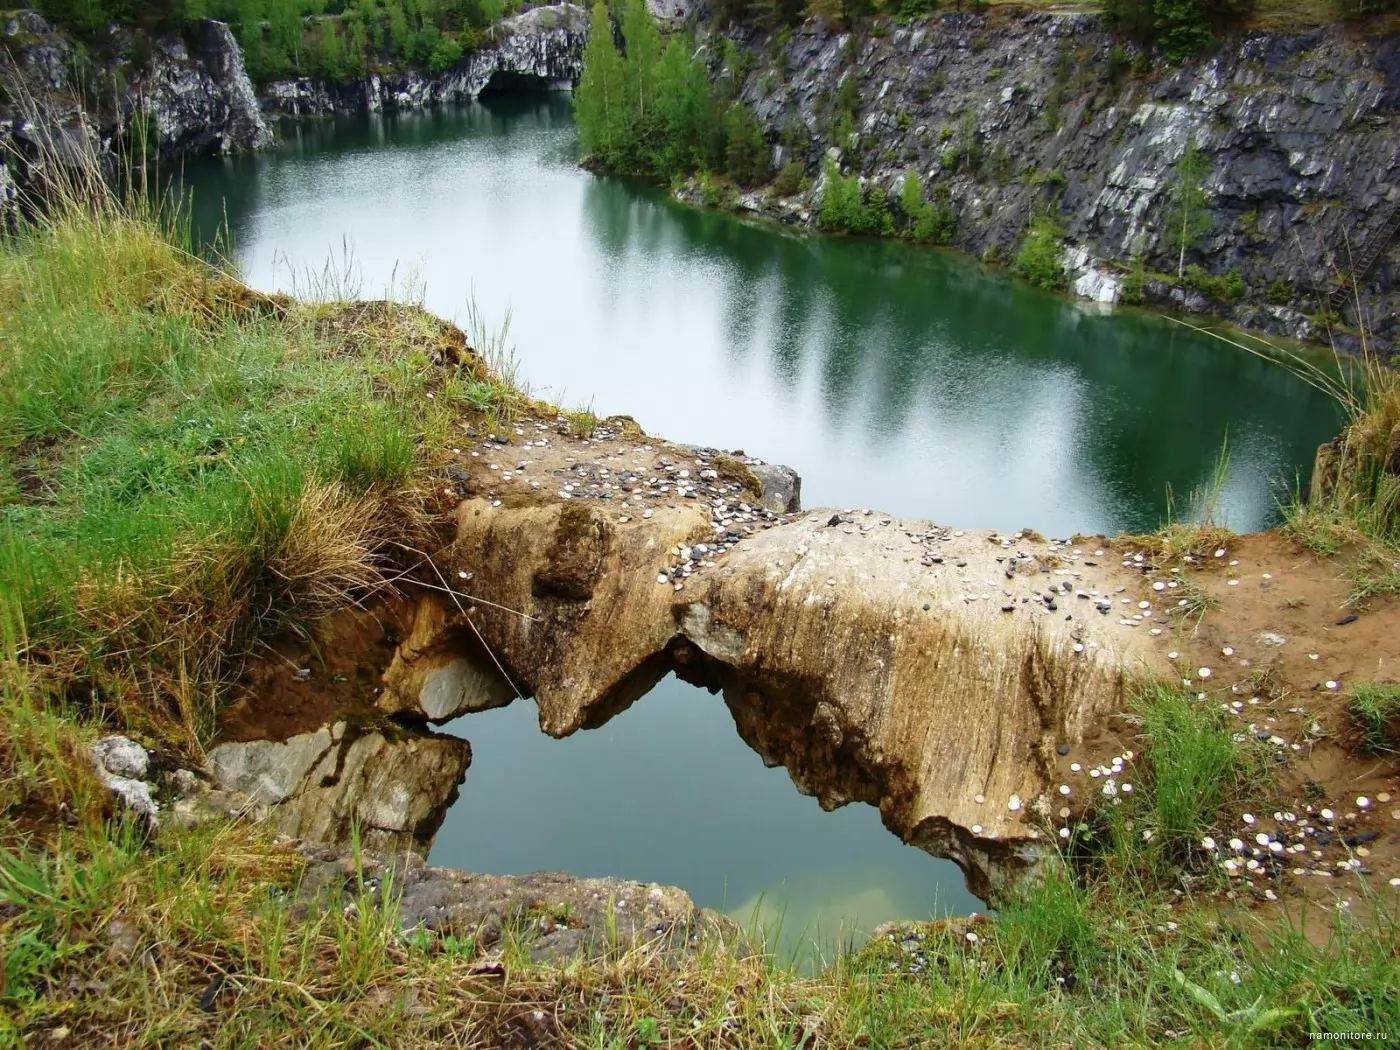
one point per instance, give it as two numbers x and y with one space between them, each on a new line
1195 765
1375 713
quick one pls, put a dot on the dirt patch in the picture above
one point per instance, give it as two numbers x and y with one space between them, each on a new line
303 684
1265 630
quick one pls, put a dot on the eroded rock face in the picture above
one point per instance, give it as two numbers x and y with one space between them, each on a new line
182 101
395 787
544 43
895 662
873 677
1299 133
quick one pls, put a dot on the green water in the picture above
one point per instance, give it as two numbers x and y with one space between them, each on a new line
907 380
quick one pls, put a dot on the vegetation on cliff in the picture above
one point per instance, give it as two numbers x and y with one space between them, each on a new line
1178 28
332 39
654 109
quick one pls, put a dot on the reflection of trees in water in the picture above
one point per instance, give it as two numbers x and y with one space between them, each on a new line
900 339
903 334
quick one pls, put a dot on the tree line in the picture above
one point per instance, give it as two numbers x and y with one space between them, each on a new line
655 109
330 39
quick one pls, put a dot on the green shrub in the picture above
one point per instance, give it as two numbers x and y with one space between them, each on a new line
878 219
711 192
844 208
791 179
445 54
1038 261
1131 290
1280 292
934 222
1119 61
912 9
1228 287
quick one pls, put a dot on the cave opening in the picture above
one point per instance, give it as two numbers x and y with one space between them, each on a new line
506 82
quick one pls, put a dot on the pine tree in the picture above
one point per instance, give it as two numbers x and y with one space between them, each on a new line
598 103
745 152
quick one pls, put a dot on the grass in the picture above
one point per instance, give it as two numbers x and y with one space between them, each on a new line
188 937
188 467
1196 766
1375 713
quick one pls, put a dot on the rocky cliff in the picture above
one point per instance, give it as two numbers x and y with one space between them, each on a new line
177 97
545 44
1019 114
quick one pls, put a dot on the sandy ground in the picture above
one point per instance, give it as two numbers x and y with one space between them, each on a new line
1280 650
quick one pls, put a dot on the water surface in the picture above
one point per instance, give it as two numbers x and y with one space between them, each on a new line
897 378
668 793
892 377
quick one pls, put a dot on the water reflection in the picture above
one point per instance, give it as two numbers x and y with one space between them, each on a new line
905 379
